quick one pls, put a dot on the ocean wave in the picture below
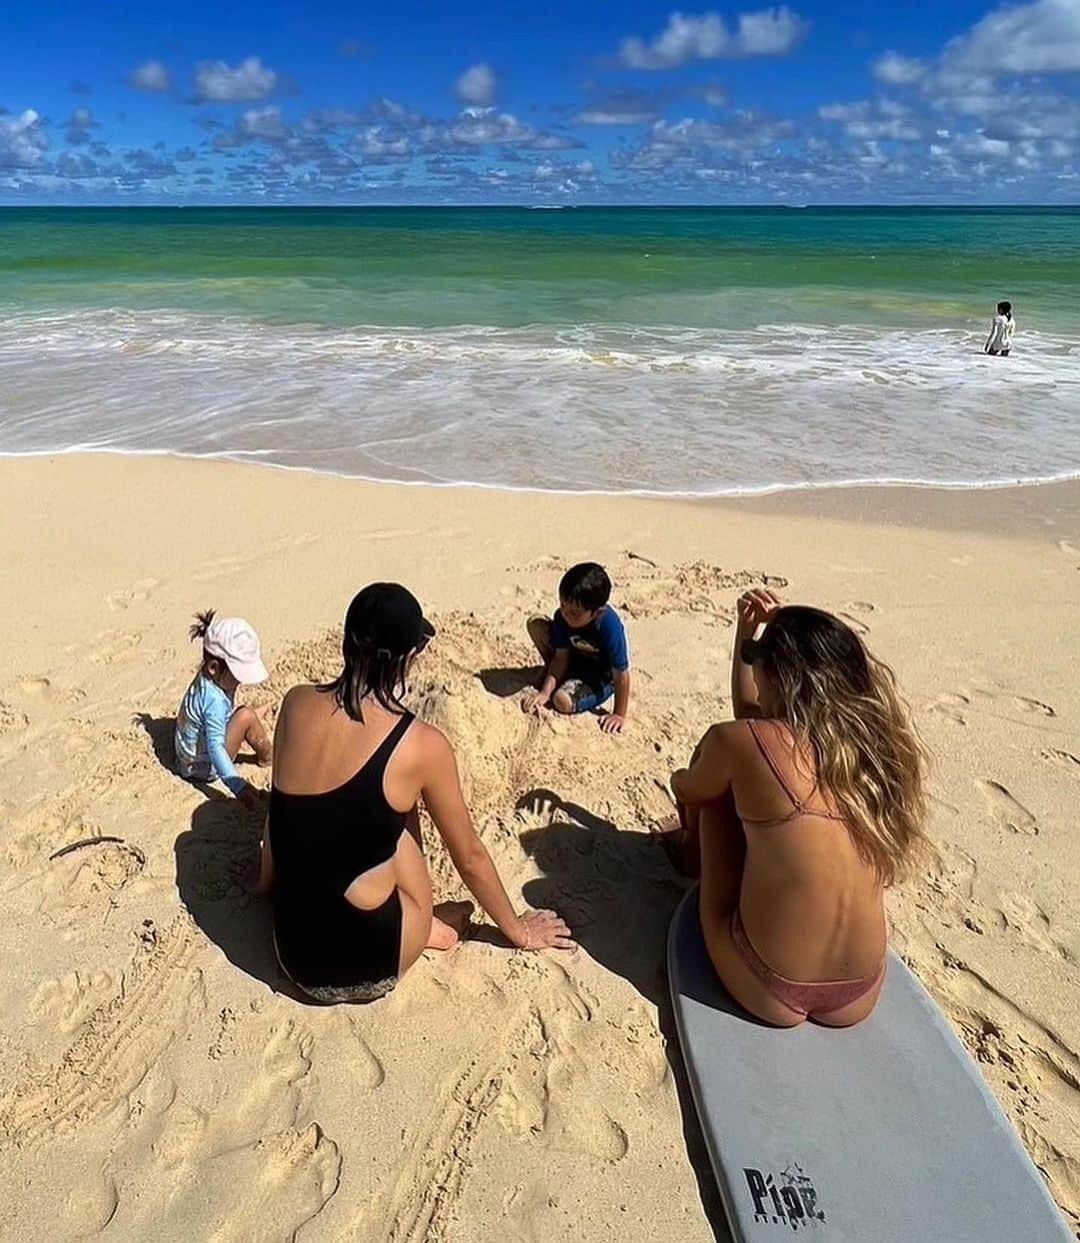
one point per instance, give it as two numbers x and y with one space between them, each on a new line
586 407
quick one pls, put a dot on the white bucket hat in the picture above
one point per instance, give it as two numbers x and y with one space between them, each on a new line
234 641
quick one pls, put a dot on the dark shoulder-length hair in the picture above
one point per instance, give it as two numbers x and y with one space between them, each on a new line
367 670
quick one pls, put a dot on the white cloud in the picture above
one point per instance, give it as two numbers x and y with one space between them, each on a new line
980 145
22 140
845 113
79 125
262 123
217 82
871 121
604 116
898 70
481 127
1043 37
477 85
768 32
376 144
150 76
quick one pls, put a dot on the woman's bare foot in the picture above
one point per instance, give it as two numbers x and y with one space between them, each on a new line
681 851
448 923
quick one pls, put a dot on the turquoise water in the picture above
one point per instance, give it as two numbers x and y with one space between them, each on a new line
602 348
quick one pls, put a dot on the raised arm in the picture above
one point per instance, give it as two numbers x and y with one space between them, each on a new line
441 791
755 607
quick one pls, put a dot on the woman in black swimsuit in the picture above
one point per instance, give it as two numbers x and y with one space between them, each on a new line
341 855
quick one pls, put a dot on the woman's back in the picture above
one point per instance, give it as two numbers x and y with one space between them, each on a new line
320 747
812 906
338 808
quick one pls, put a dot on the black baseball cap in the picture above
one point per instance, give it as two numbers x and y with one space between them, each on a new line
388 618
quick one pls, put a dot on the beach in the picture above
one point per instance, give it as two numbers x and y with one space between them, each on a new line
160 1080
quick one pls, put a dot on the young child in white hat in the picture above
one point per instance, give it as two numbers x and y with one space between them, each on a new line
210 729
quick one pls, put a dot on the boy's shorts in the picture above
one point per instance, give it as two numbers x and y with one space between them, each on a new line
584 696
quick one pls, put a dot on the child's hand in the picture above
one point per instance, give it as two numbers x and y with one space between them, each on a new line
612 723
533 703
252 798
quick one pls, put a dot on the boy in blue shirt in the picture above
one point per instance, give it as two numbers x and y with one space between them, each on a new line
584 649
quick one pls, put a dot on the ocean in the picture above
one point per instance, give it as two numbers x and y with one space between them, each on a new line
699 351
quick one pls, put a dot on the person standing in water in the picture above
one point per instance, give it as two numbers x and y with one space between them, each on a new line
1001 331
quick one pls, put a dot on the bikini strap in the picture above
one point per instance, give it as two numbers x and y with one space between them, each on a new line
770 759
802 807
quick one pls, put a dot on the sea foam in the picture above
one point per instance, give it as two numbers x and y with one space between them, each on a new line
593 407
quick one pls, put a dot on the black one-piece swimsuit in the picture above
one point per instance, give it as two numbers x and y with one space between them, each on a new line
320 844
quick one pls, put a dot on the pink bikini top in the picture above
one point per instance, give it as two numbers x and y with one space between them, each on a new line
799 807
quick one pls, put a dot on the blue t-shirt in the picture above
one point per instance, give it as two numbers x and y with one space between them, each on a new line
599 647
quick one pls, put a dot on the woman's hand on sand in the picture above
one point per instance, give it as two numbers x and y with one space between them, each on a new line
545 930
755 607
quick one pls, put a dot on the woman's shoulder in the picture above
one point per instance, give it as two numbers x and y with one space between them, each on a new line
429 738
305 700
731 735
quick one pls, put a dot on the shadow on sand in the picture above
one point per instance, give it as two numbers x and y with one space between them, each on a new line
214 860
160 730
506 683
618 893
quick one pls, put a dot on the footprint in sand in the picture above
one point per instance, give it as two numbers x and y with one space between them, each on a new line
1063 759
951 706
1006 810
860 606
12 721
1031 923
66 1003
135 594
275 1100
860 627
1034 707
1069 549
257 1168
364 1067
576 1121
90 1206
262 1193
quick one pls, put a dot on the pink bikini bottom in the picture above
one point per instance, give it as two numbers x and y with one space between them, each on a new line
804 999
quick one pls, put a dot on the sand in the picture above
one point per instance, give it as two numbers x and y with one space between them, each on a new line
157 1078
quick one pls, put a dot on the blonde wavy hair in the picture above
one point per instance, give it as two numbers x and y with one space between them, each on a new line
846 706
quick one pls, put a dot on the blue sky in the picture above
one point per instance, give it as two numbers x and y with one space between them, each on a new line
816 101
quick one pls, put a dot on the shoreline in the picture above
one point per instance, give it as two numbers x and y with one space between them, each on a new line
781 493
141 1010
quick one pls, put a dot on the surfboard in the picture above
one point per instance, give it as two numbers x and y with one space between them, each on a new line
881 1133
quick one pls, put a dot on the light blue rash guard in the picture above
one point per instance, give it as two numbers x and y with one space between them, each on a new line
200 735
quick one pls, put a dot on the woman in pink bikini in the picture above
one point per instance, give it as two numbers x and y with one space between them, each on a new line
798 815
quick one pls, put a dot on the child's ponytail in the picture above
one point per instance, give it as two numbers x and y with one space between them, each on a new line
202 624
